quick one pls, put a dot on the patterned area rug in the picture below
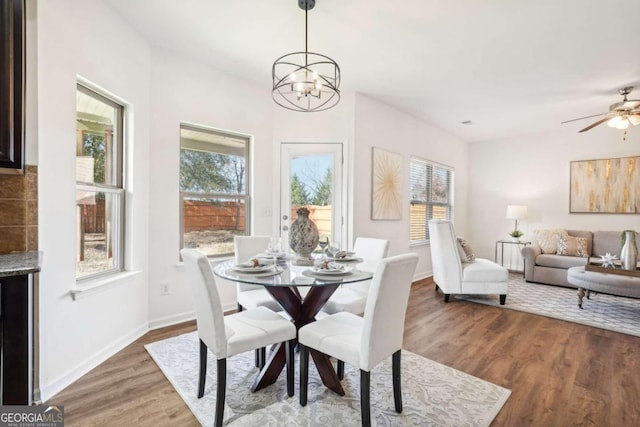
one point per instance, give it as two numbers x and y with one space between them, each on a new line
610 312
433 394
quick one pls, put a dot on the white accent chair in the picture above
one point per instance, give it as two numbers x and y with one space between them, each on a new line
227 336
453 276
365 341
352 297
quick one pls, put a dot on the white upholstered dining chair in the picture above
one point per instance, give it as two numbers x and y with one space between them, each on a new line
227 336
352 297
365 341
453 276
252 296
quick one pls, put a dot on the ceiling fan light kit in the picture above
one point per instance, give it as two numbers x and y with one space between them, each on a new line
619 115
305 81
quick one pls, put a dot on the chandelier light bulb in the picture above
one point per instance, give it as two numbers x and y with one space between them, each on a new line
623 124
614 122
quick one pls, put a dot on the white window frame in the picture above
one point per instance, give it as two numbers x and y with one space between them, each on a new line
245 196
116 190
426 167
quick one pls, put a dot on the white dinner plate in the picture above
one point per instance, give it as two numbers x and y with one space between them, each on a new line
269 255
330 272
329 277
249 268
267 273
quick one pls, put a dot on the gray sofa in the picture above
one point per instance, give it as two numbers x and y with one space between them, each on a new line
552 269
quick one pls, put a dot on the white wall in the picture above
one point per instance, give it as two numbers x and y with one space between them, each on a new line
534 171
378 125
85 38
183 90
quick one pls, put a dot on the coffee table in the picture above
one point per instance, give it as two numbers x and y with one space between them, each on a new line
607 283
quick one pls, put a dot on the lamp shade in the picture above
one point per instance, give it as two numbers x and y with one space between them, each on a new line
516 212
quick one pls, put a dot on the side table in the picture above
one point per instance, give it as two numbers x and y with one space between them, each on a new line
501 243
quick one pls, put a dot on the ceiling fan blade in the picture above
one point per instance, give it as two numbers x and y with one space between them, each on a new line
599 122
582 118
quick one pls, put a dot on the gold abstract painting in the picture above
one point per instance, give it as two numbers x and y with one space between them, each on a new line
386 198
605 186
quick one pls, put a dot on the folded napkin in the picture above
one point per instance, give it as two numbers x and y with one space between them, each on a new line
344 254
331 266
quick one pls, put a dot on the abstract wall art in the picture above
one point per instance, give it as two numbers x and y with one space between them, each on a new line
387 174
605 186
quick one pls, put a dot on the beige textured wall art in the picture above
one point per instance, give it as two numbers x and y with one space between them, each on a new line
605 186
386 199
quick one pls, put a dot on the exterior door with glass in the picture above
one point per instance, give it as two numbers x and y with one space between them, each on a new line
311 176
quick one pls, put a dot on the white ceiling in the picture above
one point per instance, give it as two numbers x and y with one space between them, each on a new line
513 67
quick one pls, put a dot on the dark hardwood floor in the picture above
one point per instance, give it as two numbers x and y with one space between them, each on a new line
560 373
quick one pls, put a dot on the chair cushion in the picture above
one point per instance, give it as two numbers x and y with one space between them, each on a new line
548 239
346 299
362 287
483 270
607 241
259 327
572 246
585 234
258 298
338 335
468 251
559 261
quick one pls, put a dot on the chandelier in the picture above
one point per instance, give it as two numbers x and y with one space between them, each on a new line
306 81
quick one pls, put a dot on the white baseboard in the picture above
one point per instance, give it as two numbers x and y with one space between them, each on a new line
422 276
47 391
173 319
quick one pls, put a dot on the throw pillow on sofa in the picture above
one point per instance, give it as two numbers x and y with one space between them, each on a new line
548 239
572 246
468 252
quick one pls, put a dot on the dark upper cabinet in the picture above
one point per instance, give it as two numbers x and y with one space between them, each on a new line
12 72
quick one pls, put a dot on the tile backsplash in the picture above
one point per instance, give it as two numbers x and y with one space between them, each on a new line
19 211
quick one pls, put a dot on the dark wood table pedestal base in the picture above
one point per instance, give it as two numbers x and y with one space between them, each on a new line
302 312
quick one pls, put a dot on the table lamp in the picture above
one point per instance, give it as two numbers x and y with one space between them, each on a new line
516 212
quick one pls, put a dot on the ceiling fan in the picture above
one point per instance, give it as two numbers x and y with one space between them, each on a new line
619 115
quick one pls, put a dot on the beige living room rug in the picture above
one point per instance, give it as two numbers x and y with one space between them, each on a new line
433 394
619 314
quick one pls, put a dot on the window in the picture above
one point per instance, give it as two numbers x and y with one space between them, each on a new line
214 194
431 195
99 188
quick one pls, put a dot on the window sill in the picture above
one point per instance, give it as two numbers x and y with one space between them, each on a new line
98 285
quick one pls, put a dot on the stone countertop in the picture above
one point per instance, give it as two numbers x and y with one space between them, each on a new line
20 263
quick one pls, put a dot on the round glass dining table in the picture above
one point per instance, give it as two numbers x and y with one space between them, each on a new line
282 283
